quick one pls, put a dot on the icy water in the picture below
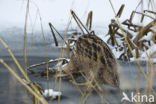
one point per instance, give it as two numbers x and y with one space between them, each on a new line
12 92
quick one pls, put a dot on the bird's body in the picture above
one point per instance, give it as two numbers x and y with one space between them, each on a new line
93 58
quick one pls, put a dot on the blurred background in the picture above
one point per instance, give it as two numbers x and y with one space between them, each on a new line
41 12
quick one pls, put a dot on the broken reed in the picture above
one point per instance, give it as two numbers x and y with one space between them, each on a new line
136 44
130 48
89 20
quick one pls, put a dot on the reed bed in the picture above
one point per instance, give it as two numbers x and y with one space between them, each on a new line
132 46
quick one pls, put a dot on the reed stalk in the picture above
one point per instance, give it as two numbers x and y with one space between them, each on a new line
40 98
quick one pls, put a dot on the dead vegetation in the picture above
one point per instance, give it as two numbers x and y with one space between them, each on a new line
129 41
133 33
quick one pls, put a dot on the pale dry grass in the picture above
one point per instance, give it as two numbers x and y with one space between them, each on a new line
85 93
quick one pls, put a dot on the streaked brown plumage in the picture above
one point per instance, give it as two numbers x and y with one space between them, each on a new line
92 57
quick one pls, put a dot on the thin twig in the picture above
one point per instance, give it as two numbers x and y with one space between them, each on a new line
44 63
78 21
56 43
52 27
